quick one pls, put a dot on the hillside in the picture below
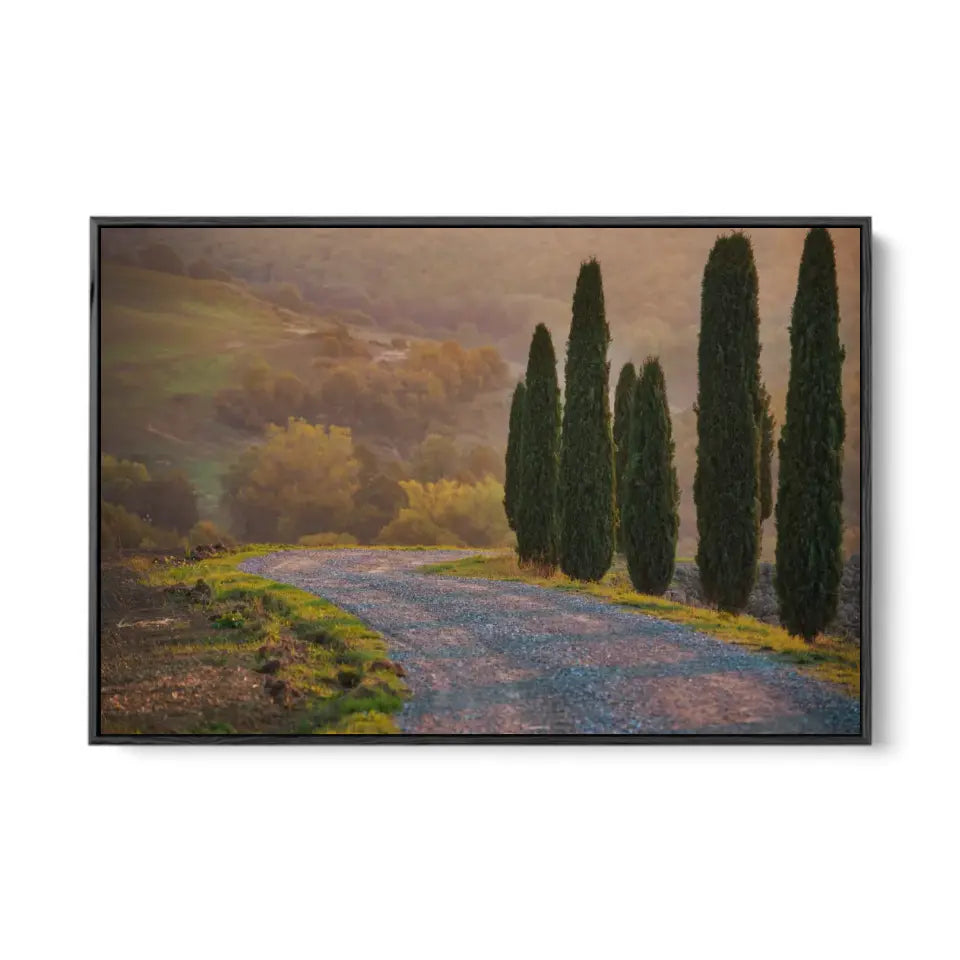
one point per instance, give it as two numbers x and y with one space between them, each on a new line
178 350
173 342
169 343
493 285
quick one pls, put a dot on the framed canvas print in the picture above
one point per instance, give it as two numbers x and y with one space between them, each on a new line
526 480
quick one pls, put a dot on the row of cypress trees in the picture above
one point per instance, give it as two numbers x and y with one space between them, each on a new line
733 487
561 478
577 489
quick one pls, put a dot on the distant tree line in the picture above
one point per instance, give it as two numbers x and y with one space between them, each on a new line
138 509
402 400
579 485
315 484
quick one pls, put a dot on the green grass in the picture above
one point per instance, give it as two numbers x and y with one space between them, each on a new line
418 547
168 345
336 664
829 658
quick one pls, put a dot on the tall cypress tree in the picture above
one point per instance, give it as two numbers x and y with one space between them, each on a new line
586 458
766 423
622 405
511 483
810 494
537 505
650 495
726 485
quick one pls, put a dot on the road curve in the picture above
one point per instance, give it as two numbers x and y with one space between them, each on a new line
486 656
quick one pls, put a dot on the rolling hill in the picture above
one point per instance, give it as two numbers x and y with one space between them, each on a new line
172 342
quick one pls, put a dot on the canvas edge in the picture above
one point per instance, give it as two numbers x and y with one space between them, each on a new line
865 225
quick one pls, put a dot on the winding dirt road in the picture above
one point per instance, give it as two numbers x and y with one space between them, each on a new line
485 656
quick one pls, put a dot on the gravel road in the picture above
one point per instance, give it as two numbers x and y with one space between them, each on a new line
484 656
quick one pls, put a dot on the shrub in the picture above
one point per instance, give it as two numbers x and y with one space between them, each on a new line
168 501
328 540
121 481
411 529
205 532
435 458
449 513
378 500
338 343
121 529
229 621
302 478
264 397
480 461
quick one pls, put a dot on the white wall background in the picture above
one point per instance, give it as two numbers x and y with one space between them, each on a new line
492 108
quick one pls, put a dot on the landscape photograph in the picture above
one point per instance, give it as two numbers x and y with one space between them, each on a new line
470 480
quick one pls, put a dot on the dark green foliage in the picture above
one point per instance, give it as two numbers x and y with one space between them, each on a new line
809 499
766 423
586 459
119 527
511 487
536 515
650 496
229 621
622 405
377 501
727 483
168 501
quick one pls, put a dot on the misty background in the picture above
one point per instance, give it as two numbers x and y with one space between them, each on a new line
412 338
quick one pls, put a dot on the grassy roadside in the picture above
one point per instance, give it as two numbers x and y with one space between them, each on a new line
203 647
829 658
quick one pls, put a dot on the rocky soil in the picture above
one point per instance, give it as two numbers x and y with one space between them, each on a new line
685 588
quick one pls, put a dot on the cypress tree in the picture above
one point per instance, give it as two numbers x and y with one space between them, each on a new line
650 495
810 497
511 483
537 503
622 404
726 484
766 423
586 458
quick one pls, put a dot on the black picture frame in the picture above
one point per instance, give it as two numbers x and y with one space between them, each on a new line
865 226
